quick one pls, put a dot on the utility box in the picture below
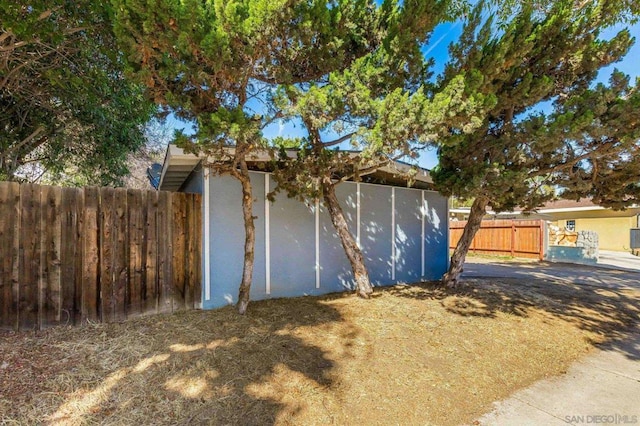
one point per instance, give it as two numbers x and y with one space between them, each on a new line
635 239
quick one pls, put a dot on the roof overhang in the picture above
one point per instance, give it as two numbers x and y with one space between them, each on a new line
178 165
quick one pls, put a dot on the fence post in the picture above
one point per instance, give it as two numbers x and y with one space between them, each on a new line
513 238
543 238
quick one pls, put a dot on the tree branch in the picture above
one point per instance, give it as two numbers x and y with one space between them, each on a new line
338 141
276 116
26 140
602 148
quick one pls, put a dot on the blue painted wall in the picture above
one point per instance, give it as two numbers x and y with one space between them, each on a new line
335 270
408 235
436 236
292 242
375 231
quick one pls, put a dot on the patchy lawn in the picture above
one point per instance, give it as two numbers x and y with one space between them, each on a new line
411 355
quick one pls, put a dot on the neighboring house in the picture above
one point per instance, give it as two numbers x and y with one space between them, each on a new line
402 231
613 227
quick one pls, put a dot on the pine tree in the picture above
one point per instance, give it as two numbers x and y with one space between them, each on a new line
550 56
211 62
382 106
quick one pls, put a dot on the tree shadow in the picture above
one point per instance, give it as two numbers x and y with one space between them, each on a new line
611 314
212 367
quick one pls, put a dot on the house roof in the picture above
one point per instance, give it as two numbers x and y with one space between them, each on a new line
569 204
560 206
553 210
178 165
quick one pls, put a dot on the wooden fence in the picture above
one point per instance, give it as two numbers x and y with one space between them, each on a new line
74 255
517 238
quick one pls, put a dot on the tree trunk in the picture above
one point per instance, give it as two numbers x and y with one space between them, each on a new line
478 209
363 284
250 237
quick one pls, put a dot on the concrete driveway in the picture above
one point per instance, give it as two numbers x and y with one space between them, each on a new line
607 275
619 260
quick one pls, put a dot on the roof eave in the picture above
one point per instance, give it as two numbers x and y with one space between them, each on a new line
178 165
176 168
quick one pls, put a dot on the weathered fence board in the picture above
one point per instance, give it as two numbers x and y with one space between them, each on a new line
165 247
120 249
74 255
107 306
134 289
517 238
29 229
70 255
50 308
151 254
9 254
90 276
195 255
178 246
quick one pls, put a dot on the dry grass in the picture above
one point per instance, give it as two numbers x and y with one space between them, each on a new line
411 355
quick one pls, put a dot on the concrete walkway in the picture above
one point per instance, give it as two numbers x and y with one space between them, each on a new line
602 388
605 384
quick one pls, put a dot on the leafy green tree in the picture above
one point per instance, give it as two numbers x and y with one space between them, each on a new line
583 146
66 111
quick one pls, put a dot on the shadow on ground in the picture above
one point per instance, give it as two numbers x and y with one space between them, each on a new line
215 368
610 315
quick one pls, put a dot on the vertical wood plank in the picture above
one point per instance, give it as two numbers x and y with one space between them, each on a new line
91 267
9 253
151 253
107 297
196 261
134 207
50 291
6 268
120 250
29 256
189 233
143 249
68 253
179 215
165 252
513 238
16 257
80 258
541 235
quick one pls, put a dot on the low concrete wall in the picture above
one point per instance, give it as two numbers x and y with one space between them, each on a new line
585 252
569 255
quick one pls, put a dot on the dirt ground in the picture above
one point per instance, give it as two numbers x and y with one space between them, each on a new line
410 355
